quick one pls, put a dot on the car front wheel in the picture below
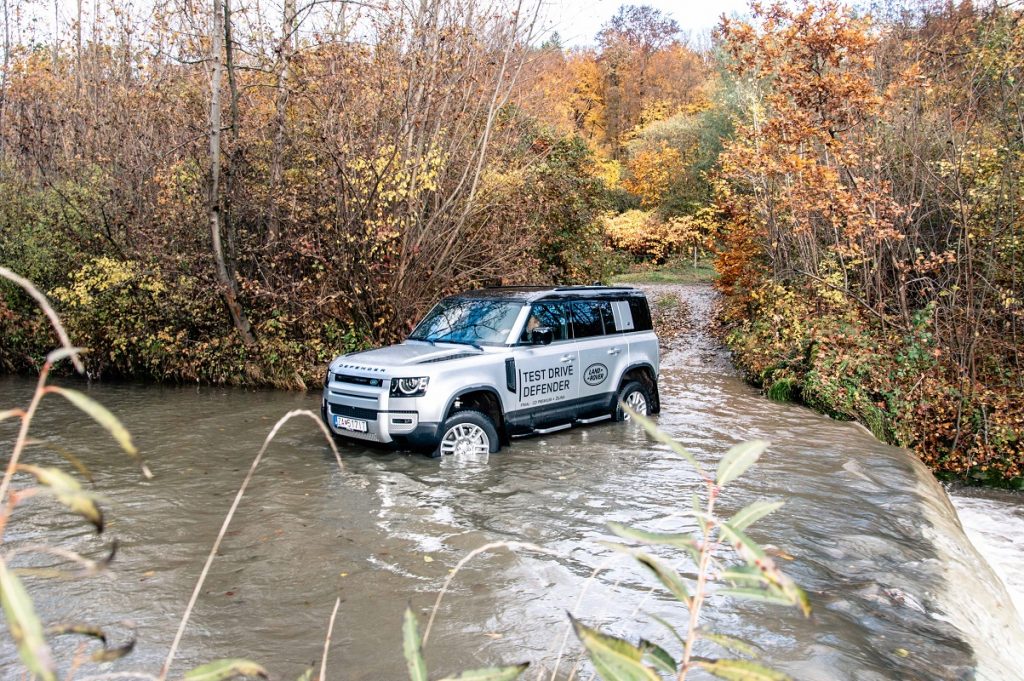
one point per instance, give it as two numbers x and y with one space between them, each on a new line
634 395
467 433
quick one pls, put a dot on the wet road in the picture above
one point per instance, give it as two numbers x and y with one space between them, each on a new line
898 591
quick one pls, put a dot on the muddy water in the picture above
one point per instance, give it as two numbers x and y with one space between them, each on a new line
898 591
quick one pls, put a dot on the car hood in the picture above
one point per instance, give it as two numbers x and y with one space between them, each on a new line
405 354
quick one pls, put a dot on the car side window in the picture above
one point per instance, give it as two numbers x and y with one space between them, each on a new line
555 316
586 319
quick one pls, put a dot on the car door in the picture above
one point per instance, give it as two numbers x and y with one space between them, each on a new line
547 376
603 354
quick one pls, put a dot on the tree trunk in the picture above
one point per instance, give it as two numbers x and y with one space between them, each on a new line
280 118
56 34
226 279
227 213
78 49
3 76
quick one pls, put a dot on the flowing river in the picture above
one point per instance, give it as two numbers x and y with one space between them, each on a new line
899 592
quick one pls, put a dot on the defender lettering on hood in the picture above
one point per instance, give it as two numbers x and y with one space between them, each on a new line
490 365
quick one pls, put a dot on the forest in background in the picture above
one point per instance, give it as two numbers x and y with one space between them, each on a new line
235 194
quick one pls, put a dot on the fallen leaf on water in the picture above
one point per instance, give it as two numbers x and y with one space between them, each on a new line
428 559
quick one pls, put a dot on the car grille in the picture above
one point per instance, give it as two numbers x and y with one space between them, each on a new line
359 380
354 412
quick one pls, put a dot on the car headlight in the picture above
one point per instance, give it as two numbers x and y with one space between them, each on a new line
409 387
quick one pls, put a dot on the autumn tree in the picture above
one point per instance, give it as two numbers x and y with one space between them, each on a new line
628 43
872 244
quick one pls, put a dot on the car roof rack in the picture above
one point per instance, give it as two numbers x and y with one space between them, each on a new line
594 287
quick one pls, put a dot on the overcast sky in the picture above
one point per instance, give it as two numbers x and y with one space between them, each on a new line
578 21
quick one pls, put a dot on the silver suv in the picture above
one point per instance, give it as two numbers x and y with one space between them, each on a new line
493 364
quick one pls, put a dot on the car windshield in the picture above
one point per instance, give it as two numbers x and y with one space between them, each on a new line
471 322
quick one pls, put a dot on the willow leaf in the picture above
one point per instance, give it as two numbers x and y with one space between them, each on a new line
763 595
668 626
747 575
491 674
737 460
754 555
613 658
698 511
659 657
413 647
663 437
667 576
677 540
750 514
741 670
104 417
228 668
729 643
106 654
24 625
68 492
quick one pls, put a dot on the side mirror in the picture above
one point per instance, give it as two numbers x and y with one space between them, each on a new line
542 335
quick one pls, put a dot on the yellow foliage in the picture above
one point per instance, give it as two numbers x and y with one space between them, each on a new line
652 173
609 172
642 234
103 274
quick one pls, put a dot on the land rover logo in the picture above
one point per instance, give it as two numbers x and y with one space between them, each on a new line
595 374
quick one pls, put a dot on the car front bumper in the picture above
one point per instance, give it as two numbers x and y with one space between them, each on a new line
402 427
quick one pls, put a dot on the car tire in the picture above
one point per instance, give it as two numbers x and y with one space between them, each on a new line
636 395
467 432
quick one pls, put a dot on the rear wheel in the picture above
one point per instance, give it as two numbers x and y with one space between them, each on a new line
633 394
467 433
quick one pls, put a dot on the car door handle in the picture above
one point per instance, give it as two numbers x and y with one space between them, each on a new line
614 351
567 358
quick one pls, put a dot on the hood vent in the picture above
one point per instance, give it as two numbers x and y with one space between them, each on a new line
461 355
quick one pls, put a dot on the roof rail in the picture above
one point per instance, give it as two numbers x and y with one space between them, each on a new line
596 287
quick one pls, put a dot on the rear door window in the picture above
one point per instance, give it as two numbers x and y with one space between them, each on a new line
587 319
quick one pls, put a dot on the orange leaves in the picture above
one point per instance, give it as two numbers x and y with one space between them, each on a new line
652 173
804 168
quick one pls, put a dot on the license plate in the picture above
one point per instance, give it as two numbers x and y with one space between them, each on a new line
350 424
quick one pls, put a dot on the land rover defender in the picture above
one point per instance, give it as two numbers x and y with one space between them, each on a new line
493 364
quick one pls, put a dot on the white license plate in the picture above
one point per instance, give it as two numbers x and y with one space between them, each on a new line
350 424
